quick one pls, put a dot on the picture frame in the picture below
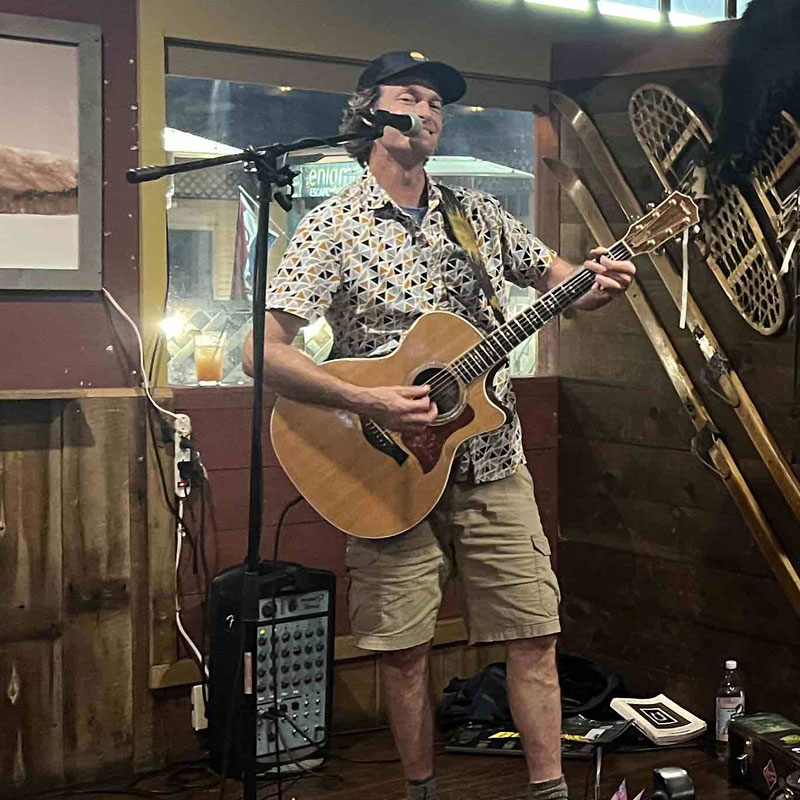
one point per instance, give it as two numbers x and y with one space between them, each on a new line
51 155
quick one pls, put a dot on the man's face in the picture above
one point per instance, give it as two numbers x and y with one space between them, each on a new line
413 98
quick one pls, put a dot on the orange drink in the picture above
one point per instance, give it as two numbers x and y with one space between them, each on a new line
208 351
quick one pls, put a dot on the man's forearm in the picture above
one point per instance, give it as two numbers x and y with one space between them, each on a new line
291 373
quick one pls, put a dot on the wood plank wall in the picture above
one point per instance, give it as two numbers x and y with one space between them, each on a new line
75 612
660 577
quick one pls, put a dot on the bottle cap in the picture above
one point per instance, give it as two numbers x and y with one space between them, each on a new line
730 664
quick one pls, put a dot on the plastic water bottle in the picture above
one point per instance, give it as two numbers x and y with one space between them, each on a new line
730 701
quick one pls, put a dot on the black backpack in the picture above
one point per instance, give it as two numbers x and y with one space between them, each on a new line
586 688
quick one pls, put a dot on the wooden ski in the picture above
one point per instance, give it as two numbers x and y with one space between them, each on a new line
707 443
718 367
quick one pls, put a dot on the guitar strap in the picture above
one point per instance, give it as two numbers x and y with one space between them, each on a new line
461 231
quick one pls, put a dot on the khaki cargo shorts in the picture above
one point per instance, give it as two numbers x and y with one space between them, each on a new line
490 538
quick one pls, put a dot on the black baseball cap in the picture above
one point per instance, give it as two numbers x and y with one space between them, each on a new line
447 81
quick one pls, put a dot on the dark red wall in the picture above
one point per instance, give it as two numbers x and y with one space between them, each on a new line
221 420
60 339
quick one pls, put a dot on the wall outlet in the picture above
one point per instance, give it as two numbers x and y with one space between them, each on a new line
199 720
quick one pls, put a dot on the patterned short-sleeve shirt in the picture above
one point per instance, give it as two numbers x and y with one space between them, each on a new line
364 263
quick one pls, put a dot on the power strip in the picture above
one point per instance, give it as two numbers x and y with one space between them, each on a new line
183 453
199 719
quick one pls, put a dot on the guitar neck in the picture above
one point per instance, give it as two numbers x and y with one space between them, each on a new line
488 353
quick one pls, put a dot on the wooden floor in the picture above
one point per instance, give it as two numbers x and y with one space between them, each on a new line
364 767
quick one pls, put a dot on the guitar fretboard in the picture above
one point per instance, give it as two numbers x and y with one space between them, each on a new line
497 345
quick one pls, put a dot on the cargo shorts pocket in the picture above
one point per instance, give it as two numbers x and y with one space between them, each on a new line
541 544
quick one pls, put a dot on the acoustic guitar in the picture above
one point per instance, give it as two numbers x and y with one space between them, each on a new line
372 482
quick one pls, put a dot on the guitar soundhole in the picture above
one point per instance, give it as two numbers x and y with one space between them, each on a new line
446 391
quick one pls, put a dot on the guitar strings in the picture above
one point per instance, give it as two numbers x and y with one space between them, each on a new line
445 380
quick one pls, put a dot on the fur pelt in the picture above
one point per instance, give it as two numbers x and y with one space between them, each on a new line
760 79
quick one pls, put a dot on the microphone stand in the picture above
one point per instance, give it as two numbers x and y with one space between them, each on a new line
264 162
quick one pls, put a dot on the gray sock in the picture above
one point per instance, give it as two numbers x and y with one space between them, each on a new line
555 789
422 790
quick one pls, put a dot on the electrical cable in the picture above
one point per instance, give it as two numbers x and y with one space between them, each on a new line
179 533
178 513
204 640
304 769
143 371
150 397
282 516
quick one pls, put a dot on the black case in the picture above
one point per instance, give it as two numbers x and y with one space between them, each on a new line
763 749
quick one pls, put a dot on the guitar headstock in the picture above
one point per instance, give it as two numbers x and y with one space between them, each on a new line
669 218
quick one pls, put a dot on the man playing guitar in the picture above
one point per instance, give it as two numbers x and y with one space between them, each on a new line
372 259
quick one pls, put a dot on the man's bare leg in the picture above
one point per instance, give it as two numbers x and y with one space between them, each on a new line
535 700
408 699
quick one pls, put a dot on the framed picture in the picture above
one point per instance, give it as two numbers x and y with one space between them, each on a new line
51 154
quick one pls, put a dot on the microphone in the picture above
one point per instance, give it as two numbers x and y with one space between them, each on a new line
409 124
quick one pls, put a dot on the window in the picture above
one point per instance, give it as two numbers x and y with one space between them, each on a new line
693 12
646 10
679 12
212 213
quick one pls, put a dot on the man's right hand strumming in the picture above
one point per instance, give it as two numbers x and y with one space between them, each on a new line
399 408
291 373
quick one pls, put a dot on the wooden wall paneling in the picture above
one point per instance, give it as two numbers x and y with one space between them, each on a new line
161 558
672 532
677 584
173 737
356 694
641 415
712 596
31 733
446 662
30 520
98 636
627 472
678 655
144 753
537 404
659 49
489 653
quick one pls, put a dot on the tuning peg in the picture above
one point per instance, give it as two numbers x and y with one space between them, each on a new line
651 206
696 229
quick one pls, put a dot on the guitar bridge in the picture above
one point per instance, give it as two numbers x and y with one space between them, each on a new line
382 441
